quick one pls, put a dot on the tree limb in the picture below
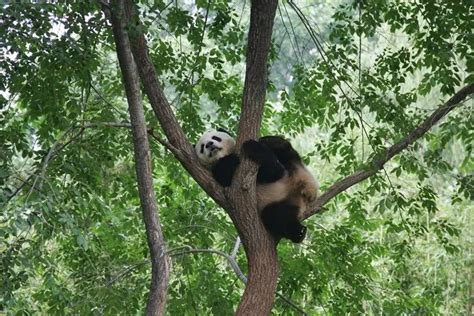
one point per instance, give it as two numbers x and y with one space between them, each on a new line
163 112
262 15
159 258
377 163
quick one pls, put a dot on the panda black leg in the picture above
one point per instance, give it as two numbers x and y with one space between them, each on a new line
281 220
270 169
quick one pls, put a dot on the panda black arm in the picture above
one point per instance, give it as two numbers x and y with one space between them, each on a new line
224 169
270 169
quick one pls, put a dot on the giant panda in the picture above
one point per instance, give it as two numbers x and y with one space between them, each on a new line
285 187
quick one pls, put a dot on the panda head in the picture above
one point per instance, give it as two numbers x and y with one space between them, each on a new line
214 145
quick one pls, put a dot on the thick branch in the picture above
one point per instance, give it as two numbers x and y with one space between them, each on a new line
159 258
165 115
377 163
262 16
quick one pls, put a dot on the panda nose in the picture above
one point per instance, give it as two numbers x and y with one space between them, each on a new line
209 144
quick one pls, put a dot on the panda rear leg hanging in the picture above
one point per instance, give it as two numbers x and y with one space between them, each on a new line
281 220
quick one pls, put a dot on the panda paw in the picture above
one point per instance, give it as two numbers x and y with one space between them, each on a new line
254 150
296 233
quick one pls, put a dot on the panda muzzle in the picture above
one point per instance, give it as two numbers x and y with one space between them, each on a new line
212 149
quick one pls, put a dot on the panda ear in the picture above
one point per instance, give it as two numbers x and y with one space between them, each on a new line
220 129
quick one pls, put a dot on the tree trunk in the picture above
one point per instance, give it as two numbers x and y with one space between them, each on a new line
159 258
262 277
259 245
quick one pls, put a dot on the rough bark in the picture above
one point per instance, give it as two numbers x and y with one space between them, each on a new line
377 163
159 258
259 246
262 15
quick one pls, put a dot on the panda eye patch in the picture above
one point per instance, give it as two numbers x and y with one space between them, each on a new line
202 148
217 138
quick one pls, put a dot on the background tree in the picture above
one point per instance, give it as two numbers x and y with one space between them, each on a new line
73 241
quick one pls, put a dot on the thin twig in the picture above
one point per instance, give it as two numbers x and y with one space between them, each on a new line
235 266
232 262
166 144
51 151
51 154
235 250
126 271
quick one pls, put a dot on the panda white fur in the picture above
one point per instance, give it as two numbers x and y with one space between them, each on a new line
285 187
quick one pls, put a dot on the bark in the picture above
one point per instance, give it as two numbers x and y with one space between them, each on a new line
259 246
470 299
159 258
378 162
262 15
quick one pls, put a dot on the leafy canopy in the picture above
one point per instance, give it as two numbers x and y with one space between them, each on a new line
347 78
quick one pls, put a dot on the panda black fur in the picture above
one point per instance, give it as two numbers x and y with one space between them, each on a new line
285 187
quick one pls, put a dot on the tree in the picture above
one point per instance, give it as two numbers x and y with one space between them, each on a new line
322 86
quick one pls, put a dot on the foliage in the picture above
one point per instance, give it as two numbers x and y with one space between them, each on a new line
72 238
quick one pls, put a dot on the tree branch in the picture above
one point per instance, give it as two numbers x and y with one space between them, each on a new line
176 152
51 153
165 115
235 250
159 258
232 262
150 131
262 15
377 163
